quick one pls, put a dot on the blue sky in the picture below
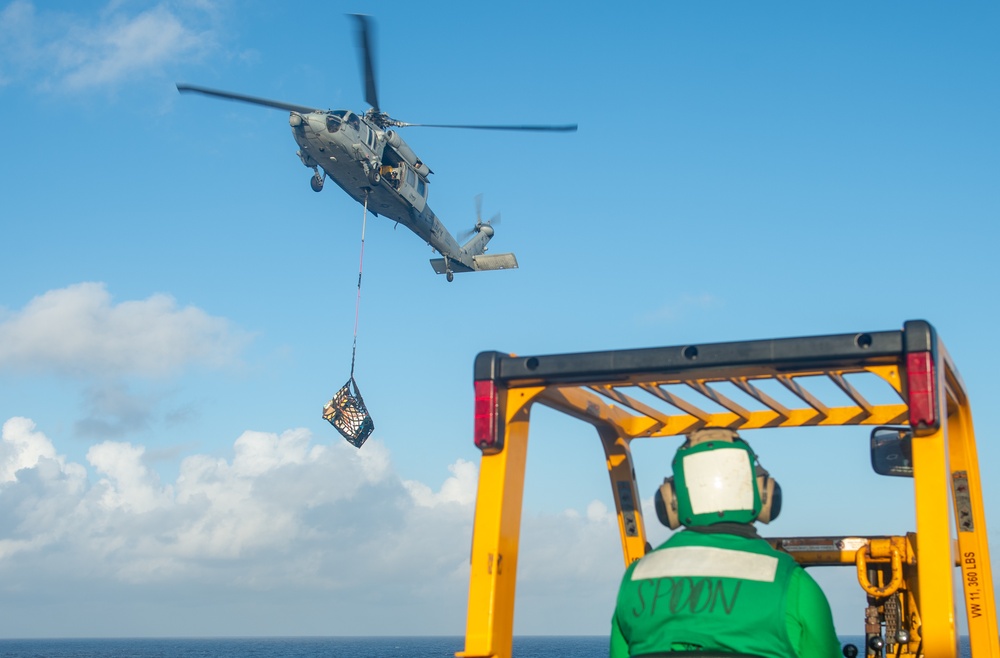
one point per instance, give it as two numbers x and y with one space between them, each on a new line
177 305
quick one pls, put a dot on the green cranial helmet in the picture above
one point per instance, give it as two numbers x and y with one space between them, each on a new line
716 479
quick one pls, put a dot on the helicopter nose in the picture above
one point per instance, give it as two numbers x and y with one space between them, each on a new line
294 120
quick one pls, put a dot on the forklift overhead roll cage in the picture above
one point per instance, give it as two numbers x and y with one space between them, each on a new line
604 389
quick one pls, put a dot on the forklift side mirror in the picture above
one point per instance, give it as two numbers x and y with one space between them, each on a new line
891 451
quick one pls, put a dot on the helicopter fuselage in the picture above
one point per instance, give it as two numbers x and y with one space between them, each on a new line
372 163
376 166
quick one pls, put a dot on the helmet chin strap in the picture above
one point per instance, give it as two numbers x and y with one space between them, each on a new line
747 530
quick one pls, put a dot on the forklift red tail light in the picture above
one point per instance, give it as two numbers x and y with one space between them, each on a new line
921 390
486 432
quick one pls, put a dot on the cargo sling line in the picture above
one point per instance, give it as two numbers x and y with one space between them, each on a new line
346 411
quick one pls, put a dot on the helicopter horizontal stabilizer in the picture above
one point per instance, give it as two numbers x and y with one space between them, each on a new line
495 262
480 263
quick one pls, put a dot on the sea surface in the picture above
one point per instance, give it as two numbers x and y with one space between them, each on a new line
307 647
301 647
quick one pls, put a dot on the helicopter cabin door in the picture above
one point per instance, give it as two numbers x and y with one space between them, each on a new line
412 187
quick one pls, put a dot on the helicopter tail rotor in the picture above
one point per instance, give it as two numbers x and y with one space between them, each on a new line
480 224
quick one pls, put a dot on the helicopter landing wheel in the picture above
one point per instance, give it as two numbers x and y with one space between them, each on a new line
316 183
375 176
450 276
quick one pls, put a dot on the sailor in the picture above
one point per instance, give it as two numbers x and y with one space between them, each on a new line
716 586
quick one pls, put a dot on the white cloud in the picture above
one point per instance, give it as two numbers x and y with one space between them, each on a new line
113 410
571 548
122 47
75 51
283 525
460 488
128 484
259 504
21 448
17 48
79 331
39 490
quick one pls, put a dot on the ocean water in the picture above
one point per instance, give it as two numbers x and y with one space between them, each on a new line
309 647
299 647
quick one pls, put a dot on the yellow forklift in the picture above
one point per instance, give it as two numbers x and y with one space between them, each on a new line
922 430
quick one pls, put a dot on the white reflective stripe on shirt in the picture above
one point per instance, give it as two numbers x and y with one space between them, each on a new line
706 562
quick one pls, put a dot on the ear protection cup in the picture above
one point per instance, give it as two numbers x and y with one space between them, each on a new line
665 501
770 495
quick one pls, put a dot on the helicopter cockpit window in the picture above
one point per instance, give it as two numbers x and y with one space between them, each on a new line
410 177
353 121
332 123
421 188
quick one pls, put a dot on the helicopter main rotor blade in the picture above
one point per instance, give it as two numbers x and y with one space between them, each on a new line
228 95
367 65
531 128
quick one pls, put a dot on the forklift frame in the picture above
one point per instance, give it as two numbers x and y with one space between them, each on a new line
630 394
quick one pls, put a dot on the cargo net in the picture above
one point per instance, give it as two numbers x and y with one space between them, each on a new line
347 412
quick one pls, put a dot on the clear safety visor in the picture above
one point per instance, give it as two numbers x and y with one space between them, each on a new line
719 480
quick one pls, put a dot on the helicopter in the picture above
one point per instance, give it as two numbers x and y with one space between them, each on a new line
368 159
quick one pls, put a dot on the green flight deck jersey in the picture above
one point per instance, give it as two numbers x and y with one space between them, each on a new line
710 590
